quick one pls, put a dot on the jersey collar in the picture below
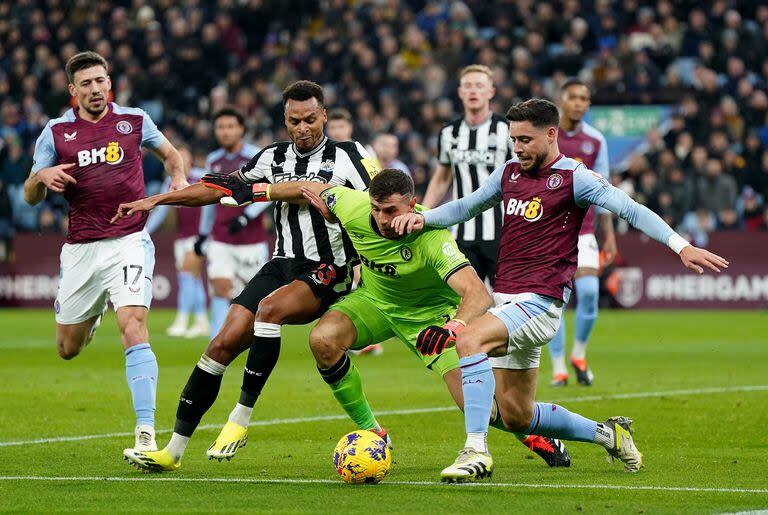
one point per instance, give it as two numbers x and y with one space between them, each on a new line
549 165
315 150
76 111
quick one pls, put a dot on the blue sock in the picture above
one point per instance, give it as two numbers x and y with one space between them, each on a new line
477 383
199 305
557 344
141 372
557 422
587 295
219 308
185 297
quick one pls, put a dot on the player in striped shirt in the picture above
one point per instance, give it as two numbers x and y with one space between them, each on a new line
308 271
469 149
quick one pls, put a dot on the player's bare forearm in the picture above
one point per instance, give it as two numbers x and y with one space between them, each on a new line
438 186
192 196
291 191
475 299
34 190
174 165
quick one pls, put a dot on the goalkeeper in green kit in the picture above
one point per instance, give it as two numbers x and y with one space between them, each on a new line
418 288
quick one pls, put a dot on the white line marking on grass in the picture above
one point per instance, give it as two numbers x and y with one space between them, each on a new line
437 409
290 481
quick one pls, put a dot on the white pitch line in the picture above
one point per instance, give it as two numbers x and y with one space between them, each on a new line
437 409
291 481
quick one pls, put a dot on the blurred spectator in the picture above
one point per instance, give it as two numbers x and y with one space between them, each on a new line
387 149
717 192
14 169
697 226
340 126
7 230
751 206
676 196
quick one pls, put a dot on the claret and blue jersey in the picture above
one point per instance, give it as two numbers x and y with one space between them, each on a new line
108 171
543 215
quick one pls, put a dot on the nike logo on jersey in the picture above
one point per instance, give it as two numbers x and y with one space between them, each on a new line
515 176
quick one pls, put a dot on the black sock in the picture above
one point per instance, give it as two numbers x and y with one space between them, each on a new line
262 358
197 398
335 372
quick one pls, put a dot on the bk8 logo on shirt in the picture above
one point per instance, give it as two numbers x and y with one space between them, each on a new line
530 210
112 154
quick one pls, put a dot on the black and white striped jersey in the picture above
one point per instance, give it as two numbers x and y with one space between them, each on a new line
473 152
302 232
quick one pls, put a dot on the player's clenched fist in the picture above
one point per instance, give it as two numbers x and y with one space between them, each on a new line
434 340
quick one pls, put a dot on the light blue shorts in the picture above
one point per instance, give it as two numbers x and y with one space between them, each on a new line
531 321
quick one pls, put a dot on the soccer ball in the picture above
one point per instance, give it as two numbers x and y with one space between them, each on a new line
362 457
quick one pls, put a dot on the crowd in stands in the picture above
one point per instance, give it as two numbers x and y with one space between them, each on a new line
393 64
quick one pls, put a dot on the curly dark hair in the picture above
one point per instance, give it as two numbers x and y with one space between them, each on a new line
303 90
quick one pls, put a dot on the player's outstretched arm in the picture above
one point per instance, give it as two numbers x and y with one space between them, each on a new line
191 196
238 193
463 209
456 211
590 188
293 191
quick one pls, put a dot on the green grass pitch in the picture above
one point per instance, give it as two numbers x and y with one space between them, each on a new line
694 382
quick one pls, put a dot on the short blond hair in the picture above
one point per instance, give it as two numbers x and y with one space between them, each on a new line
479 68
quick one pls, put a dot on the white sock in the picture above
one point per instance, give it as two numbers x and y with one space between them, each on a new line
558 366
211 366
477 441
579 350
241 415
177 445
201 318
604 436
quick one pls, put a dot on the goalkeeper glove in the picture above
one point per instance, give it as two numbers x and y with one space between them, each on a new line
238 193
434 340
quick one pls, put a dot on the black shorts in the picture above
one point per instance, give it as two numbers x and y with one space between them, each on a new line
482 256
327 281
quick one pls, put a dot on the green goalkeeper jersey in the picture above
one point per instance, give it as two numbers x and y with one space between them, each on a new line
405 276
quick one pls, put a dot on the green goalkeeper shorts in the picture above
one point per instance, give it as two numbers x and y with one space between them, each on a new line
376 322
